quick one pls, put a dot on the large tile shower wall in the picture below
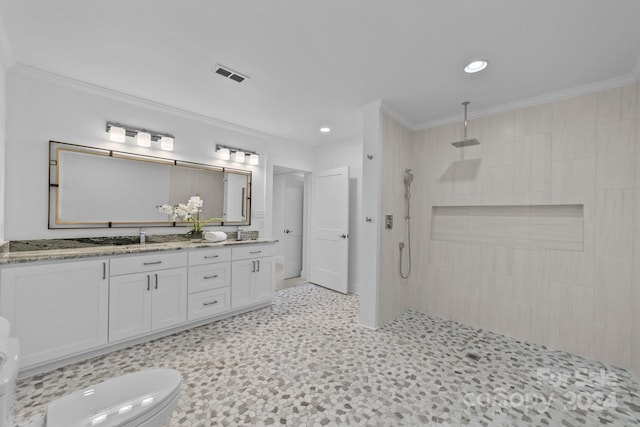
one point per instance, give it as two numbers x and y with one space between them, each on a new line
396 148
579 152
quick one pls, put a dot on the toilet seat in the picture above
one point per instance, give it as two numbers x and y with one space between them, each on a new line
128 400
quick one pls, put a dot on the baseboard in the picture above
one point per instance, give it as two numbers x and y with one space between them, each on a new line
367 327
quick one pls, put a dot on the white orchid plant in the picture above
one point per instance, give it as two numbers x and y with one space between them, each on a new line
188 212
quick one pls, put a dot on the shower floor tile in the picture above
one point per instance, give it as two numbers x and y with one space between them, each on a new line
305 361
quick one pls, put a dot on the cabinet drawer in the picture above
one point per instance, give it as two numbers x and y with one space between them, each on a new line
209 256
209 303
209 276
253 251
144 263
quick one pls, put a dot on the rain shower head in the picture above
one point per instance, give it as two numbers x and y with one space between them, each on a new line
465 142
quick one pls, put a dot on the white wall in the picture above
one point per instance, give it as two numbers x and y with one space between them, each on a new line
278 213
369 246
348 154
43 107
635 352
3 110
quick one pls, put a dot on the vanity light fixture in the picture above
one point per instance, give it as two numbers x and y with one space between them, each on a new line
476 66
144 137
240 155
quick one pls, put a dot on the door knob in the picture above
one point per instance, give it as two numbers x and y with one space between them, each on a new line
287 231
344 236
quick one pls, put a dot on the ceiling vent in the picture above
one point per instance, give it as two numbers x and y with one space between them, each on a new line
230 74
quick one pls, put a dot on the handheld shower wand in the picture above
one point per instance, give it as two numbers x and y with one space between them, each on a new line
408 179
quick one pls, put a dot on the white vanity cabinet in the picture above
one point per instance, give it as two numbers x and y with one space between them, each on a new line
209 282
252 270
56 309
66 310
147 293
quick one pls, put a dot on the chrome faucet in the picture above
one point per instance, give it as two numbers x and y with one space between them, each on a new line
143 236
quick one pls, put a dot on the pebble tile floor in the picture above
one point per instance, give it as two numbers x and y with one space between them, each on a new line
305 361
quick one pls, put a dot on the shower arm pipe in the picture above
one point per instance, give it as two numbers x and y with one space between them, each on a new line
465 103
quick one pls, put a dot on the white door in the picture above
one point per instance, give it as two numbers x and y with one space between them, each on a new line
292 231
329 243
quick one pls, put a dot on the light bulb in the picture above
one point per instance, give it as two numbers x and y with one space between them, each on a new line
166 143
224 153
117 134
143 139
239 156
254 159
475 66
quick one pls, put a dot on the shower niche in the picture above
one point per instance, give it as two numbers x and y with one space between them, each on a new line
530 226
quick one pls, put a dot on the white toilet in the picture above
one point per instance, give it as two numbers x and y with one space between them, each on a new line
146 398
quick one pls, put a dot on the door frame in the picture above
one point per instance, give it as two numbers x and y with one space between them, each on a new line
269 231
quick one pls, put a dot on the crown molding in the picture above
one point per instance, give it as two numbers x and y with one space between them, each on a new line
372 105
146 103
386 108
536 100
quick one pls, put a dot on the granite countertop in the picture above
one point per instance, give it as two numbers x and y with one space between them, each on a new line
23 251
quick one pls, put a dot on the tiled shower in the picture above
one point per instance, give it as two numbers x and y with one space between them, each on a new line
533 233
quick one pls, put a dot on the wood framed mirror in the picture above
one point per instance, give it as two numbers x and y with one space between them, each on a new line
100 188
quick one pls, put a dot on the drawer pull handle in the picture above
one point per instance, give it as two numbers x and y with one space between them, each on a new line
210 303
152 262
255 252
211 256
210 277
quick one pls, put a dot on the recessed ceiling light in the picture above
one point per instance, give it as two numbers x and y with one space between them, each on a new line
475 66
325 130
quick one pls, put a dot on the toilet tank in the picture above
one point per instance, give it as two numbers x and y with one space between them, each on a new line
9 361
